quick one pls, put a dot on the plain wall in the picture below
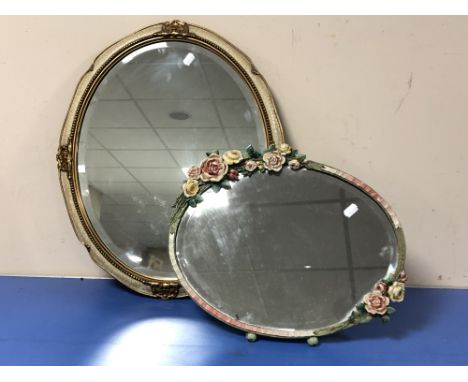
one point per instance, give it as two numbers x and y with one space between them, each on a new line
383 98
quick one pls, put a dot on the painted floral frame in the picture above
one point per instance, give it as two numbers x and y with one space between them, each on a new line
218 171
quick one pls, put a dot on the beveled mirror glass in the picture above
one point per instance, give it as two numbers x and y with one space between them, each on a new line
288 252
150 107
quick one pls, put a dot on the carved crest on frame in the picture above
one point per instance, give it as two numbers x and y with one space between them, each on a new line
175 27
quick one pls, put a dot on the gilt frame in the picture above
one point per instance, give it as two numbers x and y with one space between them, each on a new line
67 153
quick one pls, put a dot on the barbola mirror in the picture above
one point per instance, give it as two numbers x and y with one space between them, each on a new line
149 106
277 245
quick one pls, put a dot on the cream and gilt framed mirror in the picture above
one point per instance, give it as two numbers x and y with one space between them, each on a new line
150 105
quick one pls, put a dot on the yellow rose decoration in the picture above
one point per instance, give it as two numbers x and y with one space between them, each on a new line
190 188
285 149
396 291
232 157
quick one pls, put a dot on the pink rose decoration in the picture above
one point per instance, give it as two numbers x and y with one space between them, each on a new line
213 168
273 160
403 277
376 303
233 175
250 165
193 172
382 288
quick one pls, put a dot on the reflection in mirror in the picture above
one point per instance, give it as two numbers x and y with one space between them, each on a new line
293 253
153 115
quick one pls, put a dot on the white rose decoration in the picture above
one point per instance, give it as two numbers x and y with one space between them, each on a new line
273 161
294 164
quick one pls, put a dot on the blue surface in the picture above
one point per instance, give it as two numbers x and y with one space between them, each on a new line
46 321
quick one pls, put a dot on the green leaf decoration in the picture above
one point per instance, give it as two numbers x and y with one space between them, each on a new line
251 152
294 153
268 149
216 187
225 184
391 310
198 198
300 157
389 280
361 307
192 202
385 318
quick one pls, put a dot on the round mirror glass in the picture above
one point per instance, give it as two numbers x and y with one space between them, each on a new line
284 255
154 114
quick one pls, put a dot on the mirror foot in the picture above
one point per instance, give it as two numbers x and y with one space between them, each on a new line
312 341
251 337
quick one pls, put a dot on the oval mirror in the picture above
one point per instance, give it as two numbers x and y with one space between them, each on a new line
151 105
299 251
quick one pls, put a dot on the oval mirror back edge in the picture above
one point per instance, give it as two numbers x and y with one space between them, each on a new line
67 155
